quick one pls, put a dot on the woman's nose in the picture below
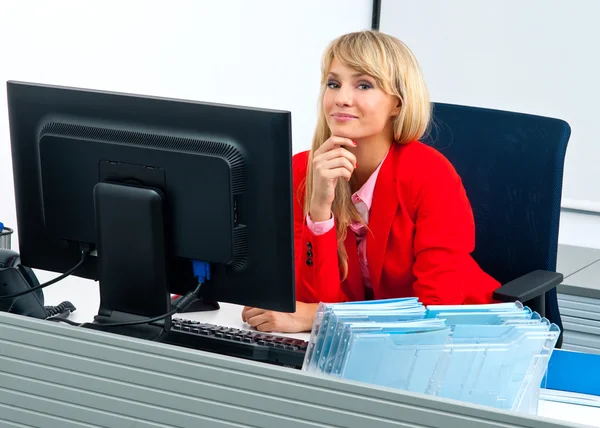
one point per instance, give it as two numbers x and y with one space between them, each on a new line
344 97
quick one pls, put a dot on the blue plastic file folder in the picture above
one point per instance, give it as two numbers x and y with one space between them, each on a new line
494 355
574 371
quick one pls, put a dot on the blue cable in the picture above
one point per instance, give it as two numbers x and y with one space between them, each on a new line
201 271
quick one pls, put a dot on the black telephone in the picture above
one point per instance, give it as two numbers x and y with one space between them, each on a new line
16 278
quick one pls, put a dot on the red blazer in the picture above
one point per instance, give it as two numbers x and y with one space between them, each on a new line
421 233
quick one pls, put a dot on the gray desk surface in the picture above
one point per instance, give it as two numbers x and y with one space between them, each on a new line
581 269
584 283
572 259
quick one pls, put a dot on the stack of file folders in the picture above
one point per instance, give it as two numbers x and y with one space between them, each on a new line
494 355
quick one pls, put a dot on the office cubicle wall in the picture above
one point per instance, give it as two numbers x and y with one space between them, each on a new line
53 374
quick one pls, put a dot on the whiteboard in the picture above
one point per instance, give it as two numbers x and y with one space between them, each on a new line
532 56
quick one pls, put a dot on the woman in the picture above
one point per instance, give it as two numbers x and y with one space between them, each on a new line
378 214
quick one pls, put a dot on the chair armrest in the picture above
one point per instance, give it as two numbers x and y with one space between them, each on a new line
529 286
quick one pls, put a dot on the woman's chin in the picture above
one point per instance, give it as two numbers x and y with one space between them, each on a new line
344 132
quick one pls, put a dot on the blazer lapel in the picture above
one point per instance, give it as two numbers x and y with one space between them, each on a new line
381 216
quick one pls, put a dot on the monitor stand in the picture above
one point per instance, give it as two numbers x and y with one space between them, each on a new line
132 260
199 305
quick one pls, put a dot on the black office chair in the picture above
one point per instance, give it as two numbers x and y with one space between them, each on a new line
511 165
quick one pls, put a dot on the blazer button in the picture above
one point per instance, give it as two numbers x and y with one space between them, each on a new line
309 262
309 253
309 245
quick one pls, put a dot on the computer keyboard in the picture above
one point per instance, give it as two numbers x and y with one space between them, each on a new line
251 345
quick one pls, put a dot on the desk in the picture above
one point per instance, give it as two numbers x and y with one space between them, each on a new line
579 298
85 296
583 283
572 259
57 375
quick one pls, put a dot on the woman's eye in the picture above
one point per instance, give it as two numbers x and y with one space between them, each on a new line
332 85
364 86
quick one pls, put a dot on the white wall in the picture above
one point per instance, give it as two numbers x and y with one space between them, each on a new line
581 229
534 56
263 53
266 53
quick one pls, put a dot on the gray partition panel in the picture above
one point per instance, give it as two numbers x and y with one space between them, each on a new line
84 378
586 305
578 313
10 414
581 339
585 325
578 348
579 302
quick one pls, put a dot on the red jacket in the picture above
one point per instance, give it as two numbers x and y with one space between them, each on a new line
421 233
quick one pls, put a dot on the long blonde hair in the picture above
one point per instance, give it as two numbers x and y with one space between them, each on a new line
396 70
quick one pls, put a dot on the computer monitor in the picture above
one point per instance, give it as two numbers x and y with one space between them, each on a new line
152 184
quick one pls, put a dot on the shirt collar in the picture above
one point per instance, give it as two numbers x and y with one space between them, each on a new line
365 193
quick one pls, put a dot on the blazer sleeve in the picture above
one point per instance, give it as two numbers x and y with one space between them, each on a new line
316 259
444 235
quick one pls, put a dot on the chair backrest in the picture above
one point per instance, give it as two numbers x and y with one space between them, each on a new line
511 165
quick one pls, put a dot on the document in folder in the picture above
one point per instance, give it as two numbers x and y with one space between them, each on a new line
494 355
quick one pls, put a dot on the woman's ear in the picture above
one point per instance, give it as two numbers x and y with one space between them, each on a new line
396 110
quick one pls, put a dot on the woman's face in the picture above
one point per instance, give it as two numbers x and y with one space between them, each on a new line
355 107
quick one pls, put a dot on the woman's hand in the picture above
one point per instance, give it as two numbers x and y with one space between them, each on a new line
330 162
283 322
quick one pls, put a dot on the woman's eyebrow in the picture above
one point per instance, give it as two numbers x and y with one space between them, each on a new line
333 74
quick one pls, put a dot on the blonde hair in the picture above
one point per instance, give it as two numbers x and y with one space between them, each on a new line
396 70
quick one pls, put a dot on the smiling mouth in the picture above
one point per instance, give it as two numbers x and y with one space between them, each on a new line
343 116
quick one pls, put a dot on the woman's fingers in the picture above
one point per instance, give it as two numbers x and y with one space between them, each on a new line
339 163
334 141
257 320
337 173
329 162
249 312
337 153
